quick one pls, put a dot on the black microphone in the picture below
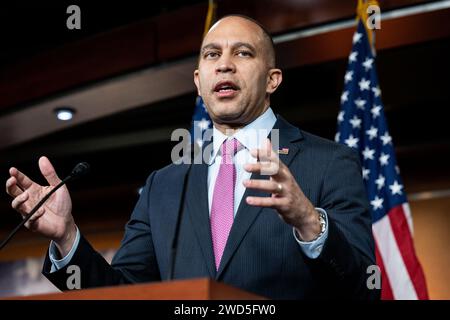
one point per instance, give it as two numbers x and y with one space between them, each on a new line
80 170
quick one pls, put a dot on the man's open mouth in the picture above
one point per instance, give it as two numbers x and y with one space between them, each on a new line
225 86
226 89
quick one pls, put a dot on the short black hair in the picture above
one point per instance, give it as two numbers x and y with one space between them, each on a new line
267 37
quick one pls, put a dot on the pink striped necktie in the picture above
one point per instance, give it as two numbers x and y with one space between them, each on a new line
222 208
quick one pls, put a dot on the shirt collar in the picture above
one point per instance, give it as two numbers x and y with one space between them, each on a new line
251 136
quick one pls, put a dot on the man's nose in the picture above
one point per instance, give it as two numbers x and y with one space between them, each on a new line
225 64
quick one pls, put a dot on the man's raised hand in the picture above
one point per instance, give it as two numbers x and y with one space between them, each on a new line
54 219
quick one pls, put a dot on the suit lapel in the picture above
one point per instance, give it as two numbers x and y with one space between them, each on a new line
247 214
198 212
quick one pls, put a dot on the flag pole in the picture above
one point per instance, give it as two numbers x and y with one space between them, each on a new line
210 16
361 13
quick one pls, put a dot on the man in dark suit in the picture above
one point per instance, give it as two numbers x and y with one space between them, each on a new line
290 223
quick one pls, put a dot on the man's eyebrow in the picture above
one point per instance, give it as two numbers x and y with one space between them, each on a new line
234 46
210 46
244 44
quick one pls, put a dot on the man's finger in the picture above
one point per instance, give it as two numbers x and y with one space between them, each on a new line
37 215
48 171
11 187
268 186
264 168
32 224
267 155
23 182
268 202
19 201
264 154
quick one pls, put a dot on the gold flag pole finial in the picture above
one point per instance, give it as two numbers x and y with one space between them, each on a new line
361 12
210 16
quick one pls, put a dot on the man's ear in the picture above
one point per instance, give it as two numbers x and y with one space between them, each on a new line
275 76
197 82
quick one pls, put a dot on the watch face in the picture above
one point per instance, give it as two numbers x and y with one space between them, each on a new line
322 223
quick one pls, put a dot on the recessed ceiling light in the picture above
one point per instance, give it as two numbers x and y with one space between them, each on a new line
64 113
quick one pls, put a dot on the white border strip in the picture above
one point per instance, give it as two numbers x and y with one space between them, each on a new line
394 14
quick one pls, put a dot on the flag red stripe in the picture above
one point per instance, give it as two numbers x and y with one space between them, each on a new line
405 244
386 290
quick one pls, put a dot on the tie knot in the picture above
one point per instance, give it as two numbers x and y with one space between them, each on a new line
230 147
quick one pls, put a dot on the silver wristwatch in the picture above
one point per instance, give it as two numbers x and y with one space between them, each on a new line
323 223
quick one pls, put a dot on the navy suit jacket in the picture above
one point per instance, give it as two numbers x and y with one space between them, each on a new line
261 255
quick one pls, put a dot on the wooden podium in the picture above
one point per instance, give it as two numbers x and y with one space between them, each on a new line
194 289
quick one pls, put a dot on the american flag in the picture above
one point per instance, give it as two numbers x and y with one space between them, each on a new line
362 125
200 119
200 122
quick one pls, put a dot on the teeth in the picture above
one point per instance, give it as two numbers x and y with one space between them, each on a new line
226 88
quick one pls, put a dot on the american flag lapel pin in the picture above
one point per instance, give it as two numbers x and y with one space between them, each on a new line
283 151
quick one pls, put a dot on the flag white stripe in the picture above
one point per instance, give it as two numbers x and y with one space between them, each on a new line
408 216
401 284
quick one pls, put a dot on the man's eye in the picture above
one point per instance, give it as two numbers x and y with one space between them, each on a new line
210 55
244 54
